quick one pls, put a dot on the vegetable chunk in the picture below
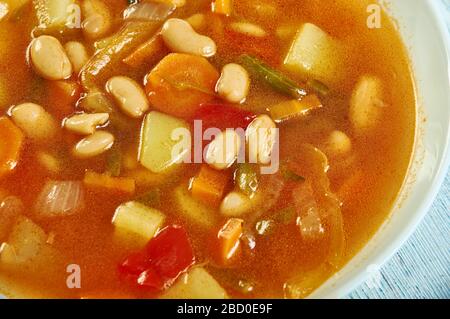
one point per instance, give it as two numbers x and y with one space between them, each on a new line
315 54
138 219
196 284
157 145
366 103
209 185
180 83
54 14
11 141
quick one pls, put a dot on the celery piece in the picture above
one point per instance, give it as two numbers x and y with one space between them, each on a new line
247 178
114 160
319 87
277 80
151 198
290 175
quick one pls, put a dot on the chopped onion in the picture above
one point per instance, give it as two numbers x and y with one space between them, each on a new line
309 220
60 198
148 11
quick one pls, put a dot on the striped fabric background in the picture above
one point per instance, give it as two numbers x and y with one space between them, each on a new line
421 269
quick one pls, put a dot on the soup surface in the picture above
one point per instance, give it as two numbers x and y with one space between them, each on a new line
110 189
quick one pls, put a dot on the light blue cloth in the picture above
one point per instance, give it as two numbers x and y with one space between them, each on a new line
421 268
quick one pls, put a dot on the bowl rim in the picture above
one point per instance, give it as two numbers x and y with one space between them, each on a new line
382 257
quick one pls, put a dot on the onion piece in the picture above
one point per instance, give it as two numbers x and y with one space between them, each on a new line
60 198
309 220
148 11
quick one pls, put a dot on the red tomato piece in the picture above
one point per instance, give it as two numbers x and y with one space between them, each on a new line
164 258
170 252
223 116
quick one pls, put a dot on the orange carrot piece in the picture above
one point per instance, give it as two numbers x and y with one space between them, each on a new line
149 52
180 83
229 237
224 7
11 142
105 181
209 185
62 97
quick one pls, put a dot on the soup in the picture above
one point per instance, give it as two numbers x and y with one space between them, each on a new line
195 149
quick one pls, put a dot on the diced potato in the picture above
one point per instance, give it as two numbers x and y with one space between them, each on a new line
54 14
24 243
366 103
196 284
138 219
157 145
315 55
194 210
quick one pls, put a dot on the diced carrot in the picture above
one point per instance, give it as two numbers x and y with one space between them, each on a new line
224 7
105 181
180 83
229 237
11 142
149 52
62 97
293 108
209 185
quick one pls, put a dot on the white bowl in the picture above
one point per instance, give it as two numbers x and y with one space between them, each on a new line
425 33
426 36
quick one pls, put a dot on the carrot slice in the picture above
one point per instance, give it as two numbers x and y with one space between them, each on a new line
148 53
11 142
229 237
222 7
105 181
209 185
180 83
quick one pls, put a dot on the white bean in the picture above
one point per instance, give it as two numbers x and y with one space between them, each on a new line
366 103
94 144
85 123
234 83
235 204
223 150
180 37
34 121
249 29
77 54
98 19
261 136
49 58
339 143
129 95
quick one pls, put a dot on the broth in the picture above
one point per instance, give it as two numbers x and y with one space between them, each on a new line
274 258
